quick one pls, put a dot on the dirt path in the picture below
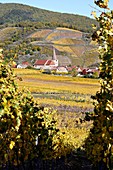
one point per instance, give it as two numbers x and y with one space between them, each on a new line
60 83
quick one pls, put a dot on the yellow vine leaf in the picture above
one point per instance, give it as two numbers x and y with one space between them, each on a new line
102 3
93 13
12 144
109 106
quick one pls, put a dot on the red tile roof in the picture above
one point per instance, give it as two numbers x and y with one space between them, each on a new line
44 62
25 63
40 62
50 62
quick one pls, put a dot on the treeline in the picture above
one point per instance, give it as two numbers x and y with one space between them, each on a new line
12 13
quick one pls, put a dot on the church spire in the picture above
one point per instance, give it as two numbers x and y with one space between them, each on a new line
54 54
54 57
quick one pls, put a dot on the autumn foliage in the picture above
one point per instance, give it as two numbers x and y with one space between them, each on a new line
26 129
99 145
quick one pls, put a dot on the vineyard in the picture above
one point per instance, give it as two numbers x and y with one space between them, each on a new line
69 97
6 33
41 33
59 122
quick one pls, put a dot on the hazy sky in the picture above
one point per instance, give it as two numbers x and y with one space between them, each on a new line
81 7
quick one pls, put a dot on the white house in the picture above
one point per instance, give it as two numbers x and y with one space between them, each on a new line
61 69
24 64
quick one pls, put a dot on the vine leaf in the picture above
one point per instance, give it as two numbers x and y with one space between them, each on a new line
102 3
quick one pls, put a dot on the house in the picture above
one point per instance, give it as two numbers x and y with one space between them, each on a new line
61 69
47 64
24 64
86 72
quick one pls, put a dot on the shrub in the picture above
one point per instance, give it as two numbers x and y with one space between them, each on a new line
99 145
27 130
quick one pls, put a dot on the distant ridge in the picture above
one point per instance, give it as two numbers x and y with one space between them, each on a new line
14 13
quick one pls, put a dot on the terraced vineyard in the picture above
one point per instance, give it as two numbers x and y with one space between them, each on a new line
7 32
69 42
41 33
71 45
64 33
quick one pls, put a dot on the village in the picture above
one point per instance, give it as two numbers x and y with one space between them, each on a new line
51 66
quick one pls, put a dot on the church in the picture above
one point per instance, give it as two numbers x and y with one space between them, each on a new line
47 64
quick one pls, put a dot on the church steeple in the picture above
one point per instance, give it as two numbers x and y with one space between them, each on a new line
54 57
54 54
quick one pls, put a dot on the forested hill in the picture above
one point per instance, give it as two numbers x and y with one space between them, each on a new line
15 13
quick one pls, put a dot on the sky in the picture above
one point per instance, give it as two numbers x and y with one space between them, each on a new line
81 7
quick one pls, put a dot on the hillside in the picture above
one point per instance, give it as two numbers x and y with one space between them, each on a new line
14 13
71 45
29 33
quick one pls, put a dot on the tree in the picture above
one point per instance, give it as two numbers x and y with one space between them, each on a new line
99 145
